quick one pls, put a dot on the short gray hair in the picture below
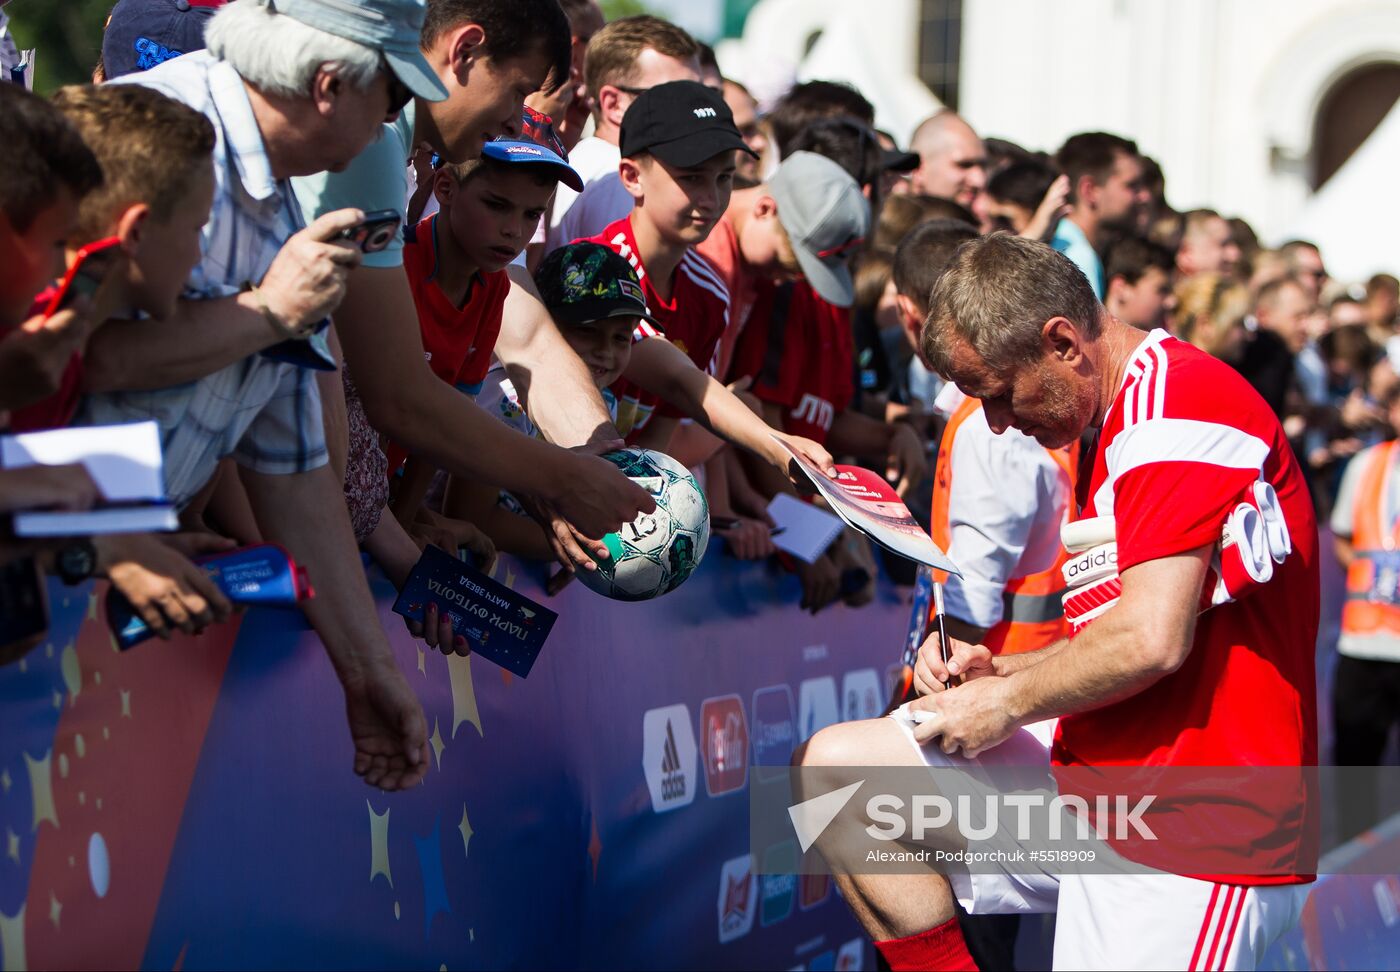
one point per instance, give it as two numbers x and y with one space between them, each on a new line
997 294
279 54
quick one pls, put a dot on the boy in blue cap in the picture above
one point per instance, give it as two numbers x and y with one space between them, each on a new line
456 259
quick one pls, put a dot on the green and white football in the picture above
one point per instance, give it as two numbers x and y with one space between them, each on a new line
657 551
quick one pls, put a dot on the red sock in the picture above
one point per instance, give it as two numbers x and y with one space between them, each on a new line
941 948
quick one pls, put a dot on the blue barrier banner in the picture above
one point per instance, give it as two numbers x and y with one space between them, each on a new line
190 804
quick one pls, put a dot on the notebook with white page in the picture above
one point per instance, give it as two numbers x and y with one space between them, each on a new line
803 530
123 460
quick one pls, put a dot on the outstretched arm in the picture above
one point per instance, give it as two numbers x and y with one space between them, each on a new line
305 512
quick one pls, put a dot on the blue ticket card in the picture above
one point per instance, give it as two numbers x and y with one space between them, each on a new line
500 625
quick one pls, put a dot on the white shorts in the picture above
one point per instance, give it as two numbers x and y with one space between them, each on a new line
1121 920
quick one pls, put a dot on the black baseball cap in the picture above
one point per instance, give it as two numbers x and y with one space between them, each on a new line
585 282
893 160
682 123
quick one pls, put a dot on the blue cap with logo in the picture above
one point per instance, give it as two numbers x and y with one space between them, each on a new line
393 26
537 144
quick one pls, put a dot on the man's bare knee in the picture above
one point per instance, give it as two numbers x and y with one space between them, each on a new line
837 745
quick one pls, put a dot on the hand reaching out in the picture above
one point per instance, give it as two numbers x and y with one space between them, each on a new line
388 728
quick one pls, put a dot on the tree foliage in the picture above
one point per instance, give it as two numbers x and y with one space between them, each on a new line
613 9
67 36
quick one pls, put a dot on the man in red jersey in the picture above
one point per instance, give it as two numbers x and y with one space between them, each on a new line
1147 685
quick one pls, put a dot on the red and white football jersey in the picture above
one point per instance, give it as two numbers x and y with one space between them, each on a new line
1183 439
799 351
693 319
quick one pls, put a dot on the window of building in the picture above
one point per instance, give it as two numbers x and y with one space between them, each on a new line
940 44
1349 113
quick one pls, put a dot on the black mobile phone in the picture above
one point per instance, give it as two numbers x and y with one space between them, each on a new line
90 268
374 232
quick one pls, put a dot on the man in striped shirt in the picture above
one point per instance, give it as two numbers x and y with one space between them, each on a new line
1147 685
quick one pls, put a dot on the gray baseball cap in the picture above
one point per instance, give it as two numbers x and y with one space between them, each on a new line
825 217
392 26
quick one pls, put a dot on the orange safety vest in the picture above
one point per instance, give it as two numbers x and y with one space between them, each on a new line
1032 614
1371 539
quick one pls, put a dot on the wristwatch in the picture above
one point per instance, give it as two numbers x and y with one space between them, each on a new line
76 562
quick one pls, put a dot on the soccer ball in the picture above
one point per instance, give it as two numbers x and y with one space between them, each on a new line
657 551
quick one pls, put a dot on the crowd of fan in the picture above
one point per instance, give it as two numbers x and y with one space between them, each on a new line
518 327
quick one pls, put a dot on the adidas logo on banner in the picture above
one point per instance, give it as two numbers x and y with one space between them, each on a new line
672 777
669 756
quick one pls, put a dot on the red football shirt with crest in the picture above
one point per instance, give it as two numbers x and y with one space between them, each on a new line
693 320
799 351
1185 436
457 341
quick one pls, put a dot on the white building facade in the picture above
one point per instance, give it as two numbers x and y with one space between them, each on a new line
1247 104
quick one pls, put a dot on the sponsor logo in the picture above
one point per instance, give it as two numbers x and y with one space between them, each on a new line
735 906
849 957
812 890
817 707
668 757
815 411
773 731
523 150
779 883
1100 561
860 695
724 734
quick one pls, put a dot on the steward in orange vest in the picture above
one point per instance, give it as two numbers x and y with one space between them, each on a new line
1372 606
1032 616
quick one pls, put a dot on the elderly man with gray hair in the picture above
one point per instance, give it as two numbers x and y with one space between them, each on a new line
292 90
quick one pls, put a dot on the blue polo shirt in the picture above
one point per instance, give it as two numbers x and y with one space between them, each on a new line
1070 240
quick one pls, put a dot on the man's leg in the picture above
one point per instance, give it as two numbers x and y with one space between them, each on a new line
912 917
888 906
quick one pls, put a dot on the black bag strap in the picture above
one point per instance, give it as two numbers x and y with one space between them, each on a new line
777 335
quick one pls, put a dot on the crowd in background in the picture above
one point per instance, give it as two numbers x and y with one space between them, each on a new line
230 177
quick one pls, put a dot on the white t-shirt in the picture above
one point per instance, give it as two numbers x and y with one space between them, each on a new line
603 202
591 158
1007 503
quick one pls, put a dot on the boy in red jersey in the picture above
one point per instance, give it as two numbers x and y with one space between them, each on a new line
456 260
678 142
1146 685
678 145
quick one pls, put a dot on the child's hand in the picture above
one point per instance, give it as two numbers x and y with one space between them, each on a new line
807 449
749 539
427 529
559 580
480 545
821 583
907 462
